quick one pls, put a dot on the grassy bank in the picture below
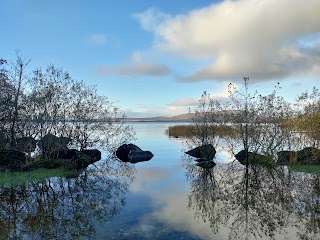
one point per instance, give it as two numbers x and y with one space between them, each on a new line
38 175
314 169
192 130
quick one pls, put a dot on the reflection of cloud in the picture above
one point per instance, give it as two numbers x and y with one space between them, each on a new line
148 176
256 38
98 39
171 202
135 69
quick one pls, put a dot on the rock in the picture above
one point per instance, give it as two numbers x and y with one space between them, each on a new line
93 154
26 144
132 153
50 145
3 141
205 151
12 160
79 159
52 142
309 155
206 164
139 156
253 158
285 157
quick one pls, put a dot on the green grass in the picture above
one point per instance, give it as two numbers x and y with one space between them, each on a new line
315 169
38 175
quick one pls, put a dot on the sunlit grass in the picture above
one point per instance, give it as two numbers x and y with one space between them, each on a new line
38 175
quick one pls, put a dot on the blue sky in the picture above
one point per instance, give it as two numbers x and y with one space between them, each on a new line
155 58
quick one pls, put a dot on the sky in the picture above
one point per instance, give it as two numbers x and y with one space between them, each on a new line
156 58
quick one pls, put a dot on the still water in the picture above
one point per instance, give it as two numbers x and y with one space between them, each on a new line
168 197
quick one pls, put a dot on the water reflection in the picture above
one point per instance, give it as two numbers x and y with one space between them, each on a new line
65 208
255 201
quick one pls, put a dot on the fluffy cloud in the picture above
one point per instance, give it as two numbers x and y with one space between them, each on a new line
262 39
135 69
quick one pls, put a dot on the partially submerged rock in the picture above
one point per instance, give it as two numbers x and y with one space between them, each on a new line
206 151
139 156
132 153
51 144
79 159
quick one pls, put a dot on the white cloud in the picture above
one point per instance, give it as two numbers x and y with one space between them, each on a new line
98 39
185 102
261 39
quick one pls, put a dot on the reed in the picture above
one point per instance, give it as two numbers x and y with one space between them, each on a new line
193 130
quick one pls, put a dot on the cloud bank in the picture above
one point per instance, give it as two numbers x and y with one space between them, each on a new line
262 39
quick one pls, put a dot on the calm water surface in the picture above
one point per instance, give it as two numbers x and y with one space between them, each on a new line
167 197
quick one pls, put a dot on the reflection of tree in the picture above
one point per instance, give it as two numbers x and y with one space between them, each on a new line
206 196
259 201
255 201
64 209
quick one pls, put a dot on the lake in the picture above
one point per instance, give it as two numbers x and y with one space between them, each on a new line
168 197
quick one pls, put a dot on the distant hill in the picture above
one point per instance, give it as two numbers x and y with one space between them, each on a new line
186 117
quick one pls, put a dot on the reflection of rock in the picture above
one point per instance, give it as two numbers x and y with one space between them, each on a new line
253 158
12 159
205 151
308 155
132 153
206 164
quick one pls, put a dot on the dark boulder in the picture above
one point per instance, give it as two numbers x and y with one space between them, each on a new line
123 151
53 143
132 153
206 164
94 154
73 158
26 144
309 155
253 158
285 157
205 151
4 141
12 160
